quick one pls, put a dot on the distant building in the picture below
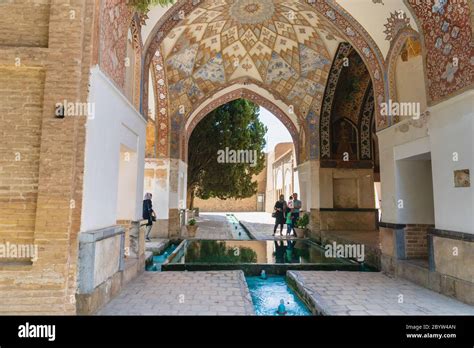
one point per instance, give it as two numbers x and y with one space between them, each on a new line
282 177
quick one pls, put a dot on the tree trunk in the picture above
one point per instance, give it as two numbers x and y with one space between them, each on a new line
190 199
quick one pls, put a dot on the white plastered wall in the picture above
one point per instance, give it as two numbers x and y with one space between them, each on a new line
448 131
116 123
451 131
127 184
309 185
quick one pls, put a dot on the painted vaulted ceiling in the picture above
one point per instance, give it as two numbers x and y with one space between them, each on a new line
282 45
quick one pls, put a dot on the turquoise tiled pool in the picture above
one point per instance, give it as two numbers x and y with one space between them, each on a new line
267 294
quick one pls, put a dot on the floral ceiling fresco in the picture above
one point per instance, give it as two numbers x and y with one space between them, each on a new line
447 34
287 47
278 44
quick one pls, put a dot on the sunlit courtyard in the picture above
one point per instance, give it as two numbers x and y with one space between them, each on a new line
270 158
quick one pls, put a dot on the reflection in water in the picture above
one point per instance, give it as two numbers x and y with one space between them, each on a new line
262 252
296 252
211 251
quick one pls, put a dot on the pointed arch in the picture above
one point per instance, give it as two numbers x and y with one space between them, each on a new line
244 93
343 23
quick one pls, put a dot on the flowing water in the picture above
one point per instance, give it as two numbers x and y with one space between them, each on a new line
267 294
158 260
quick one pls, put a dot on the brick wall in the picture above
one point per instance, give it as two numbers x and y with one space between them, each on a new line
228 205
24 23
42 191
20 131
416 241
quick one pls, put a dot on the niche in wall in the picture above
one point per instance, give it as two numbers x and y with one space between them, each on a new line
414 182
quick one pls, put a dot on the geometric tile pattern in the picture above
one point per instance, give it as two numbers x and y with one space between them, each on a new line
350 85
211 29
366 124
277 43
341 55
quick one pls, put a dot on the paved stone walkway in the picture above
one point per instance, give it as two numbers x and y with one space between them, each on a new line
156 245
184 293
260 225
213 226
372 293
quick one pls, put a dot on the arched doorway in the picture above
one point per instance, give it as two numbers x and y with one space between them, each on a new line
220 51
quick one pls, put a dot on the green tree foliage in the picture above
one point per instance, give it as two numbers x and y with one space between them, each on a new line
234 126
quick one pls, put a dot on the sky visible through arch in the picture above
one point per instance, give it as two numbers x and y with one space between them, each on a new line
277 132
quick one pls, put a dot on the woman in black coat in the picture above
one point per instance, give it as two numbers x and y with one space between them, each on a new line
279 214
148 214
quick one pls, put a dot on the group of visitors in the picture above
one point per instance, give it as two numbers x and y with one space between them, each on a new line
286 213
283 212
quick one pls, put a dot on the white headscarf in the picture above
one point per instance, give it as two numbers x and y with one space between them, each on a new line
147 196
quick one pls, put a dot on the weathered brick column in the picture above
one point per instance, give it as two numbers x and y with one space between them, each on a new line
50 65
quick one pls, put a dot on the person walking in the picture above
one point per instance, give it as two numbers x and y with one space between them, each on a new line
295 211
279 214
148 214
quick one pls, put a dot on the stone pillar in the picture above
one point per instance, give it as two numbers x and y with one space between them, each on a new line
309 184
166 179
338 196
177 196
308 175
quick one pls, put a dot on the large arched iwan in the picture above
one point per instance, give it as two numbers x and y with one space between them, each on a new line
343 22
250 95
